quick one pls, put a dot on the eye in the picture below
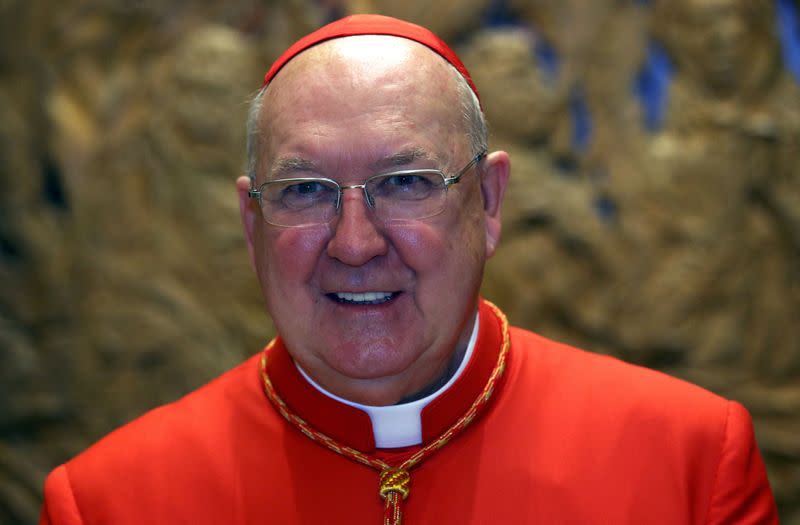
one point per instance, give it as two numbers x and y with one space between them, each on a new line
300 194
405 180
307 188
405 185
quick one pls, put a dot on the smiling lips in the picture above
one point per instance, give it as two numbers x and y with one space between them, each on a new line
363 298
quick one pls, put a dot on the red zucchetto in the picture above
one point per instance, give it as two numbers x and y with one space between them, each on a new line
371 25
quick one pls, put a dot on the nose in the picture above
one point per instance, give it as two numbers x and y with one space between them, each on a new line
356 237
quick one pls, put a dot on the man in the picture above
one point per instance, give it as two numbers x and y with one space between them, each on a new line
393 391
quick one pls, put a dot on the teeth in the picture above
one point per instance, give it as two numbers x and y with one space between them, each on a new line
368 297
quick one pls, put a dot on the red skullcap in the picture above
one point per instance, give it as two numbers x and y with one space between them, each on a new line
371 25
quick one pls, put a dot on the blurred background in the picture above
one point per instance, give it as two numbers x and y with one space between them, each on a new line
654 209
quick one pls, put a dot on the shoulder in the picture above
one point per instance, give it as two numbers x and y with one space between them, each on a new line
629 422
164 448
189 419
617 402
565 368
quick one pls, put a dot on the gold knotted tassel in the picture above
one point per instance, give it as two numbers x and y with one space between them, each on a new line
395 486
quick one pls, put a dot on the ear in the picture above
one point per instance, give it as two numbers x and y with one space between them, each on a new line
495 172
248 209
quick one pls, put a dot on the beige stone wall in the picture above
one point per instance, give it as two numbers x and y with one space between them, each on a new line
124 280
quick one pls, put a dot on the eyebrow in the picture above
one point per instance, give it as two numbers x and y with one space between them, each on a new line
403 158
288 166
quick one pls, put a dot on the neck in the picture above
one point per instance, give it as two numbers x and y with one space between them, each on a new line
449 372
400 425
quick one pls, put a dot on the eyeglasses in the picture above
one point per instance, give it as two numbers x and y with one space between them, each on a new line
399 195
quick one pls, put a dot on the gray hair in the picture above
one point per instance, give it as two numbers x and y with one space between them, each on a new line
472 114
253 133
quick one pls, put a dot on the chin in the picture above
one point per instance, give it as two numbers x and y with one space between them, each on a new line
370 360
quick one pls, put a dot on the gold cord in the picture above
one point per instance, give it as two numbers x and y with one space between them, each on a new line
394 481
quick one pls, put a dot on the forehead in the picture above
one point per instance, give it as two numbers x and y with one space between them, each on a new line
361 88
363 59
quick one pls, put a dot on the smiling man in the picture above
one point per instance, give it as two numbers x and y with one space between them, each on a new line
393 391
371 287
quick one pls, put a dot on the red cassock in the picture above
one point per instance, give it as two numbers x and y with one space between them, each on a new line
569 437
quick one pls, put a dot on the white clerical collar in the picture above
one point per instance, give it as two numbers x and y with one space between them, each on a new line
401 425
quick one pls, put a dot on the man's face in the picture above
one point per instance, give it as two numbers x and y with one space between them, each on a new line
346 110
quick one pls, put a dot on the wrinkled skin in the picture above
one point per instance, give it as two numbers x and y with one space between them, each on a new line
348 109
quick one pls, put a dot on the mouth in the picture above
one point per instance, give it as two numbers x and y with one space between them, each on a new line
365 298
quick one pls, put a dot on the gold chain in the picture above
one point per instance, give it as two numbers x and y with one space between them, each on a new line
394 481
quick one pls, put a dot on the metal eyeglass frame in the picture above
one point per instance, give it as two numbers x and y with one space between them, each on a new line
448 181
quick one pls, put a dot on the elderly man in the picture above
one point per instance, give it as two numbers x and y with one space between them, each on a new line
393 390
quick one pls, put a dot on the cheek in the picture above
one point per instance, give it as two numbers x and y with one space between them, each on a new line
421 246
290 255
446 244
468 230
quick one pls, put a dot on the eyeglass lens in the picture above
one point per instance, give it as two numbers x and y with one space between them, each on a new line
412 194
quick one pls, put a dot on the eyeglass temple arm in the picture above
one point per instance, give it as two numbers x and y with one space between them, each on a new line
455 179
